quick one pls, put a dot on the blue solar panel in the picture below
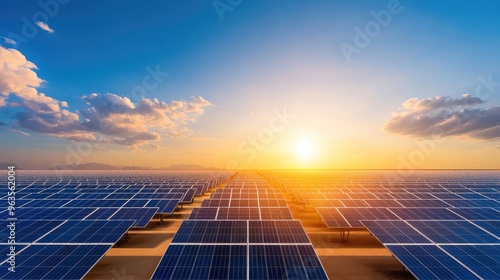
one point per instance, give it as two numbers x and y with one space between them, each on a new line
47 203
189 196
430 262
203 262
466 203
354 216
27 231
85 203
453 232
423 203
136 203
165 206
142 216
478 214
241 213
492 227
211 232
204 213
276 232
27 213
332 217
54 261
88 232
284 262
102 213
484 260
394 232
409 214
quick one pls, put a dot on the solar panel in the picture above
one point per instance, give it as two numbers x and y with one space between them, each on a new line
354 216
203 261
240 213
142 216
284 262
27 213
88 232
204 213
189 196
409 214
275 213
276 232
332 218
483 260
423 203
394 232
492 227
430 262
477 214
211 232
453 232
466 203
28 231
54 261
165 206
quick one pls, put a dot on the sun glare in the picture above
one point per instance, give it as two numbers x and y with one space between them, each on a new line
305 148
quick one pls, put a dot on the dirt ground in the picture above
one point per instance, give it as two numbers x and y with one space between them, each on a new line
361 257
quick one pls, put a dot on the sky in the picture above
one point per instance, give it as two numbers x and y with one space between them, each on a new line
251 84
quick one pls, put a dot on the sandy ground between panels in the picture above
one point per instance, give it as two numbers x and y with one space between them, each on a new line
362 257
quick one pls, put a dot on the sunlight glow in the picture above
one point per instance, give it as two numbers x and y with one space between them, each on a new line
305 148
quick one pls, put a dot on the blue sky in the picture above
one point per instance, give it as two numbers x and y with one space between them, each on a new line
247 62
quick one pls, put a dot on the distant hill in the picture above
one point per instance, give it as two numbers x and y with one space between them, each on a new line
103 166
186 166
96 166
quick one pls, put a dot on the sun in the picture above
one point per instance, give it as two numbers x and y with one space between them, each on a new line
305 148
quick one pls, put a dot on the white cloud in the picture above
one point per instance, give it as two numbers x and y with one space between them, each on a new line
444 116
45 27
109 117
8 40
19 131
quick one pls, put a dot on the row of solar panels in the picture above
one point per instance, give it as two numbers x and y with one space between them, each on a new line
62 229
57 249
443 249
239 242
438 230
351 217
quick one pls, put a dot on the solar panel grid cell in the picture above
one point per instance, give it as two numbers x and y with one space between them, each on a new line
54 261
430 262
453 232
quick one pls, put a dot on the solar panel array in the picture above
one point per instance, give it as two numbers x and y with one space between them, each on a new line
440 225
65 224
58 249
244 231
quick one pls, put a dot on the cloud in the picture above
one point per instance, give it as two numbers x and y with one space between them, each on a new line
8 40
440 102
19 131
444 116
142 122
107 117
45 27
17 76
